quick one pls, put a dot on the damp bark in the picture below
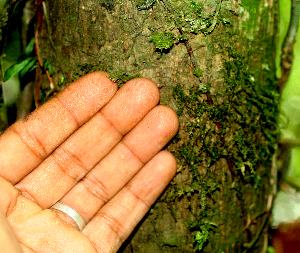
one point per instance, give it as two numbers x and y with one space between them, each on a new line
214 64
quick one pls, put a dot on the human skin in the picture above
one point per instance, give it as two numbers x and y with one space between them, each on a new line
94 148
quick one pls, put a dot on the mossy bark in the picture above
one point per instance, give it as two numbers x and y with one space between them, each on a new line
214 64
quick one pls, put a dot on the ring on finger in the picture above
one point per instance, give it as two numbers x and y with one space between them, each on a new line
70 212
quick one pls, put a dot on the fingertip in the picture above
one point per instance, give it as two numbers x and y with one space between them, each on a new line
169 163
145 82
144 88
152 134
94 88
155 176
103 73
131 103
101 77
87 95
174 119
166 119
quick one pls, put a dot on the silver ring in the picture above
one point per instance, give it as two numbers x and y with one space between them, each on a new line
71 212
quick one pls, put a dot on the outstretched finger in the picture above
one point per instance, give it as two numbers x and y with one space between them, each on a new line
116 220
29 141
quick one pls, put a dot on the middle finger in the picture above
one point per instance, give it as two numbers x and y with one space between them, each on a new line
87 146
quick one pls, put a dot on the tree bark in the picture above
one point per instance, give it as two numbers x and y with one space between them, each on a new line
214 64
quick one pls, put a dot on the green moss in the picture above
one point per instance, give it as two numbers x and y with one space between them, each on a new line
251 5
171 241
163 41
247 115
190 17
251 11
253 106
196 7
121 77
145 4
198 72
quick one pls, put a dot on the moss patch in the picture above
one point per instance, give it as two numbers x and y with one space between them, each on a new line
163 41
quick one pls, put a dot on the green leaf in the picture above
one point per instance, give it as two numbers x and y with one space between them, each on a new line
47 66
11 90
16 68
2 4
29 47
33 67
270 249
29 67
198 72
200 239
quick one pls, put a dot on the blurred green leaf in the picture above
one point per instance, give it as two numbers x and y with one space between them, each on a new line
29 48
286 208
2 4
29 67
3 117
47 66
292 176
11 90
16 68
289 121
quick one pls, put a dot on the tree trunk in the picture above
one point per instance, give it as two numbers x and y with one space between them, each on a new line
214 64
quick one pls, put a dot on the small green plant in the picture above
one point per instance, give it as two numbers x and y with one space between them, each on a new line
198 72
25 64
163 41
200 239
13 68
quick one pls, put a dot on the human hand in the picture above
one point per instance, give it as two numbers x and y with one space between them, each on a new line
94 149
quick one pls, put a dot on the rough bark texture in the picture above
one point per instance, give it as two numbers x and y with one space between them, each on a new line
214 63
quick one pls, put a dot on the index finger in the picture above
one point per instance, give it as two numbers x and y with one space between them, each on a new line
29 141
